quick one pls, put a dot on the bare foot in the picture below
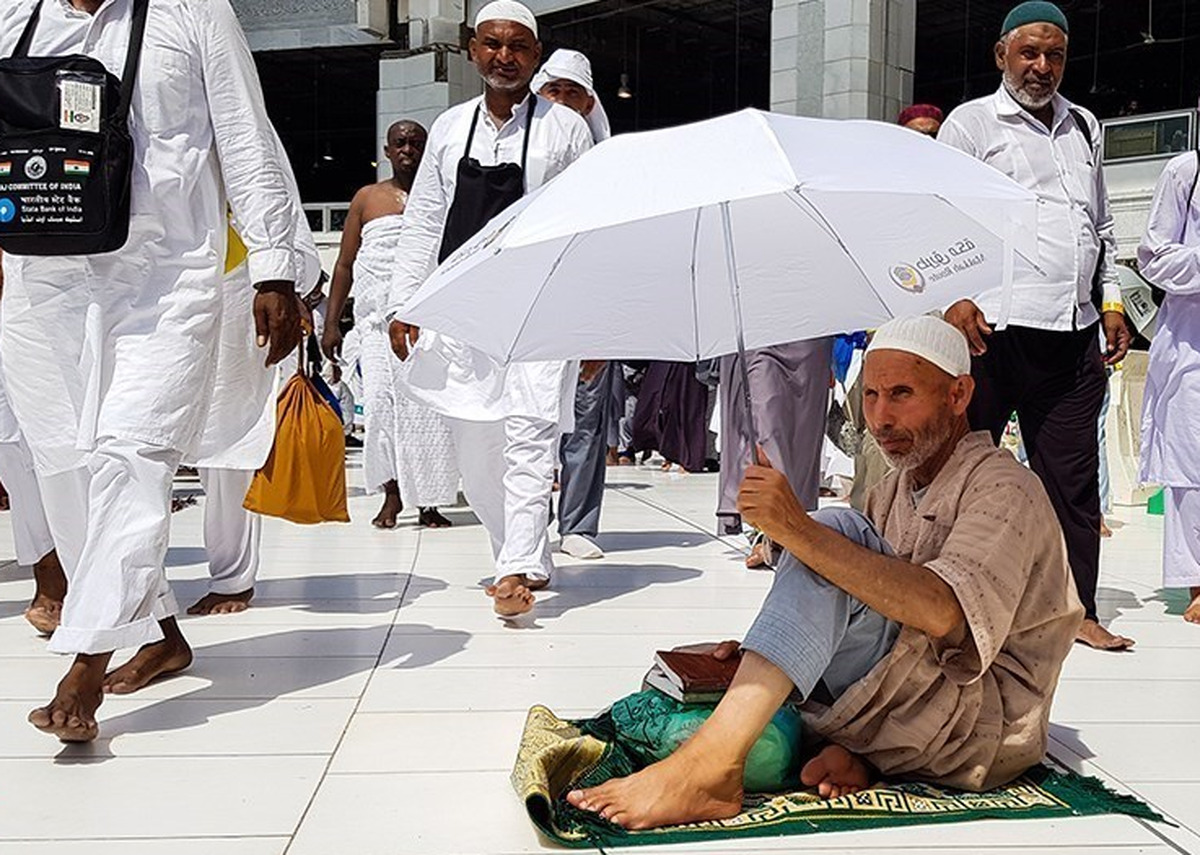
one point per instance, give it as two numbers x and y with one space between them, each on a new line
1105 531
392 506
610 457
513 595
1192 615
757 558
45 612
432 518
1097 637
71 716
221 604
689 786
835 772
160 659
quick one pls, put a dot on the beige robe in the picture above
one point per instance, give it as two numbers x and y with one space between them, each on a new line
971 710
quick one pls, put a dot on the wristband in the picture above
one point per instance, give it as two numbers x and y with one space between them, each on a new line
1113 307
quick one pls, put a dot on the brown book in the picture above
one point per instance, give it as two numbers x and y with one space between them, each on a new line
695 673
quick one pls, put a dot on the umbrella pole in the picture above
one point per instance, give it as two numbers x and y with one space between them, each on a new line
743 367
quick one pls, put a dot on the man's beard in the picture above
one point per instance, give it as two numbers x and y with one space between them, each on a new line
925 443
503 84
1029 102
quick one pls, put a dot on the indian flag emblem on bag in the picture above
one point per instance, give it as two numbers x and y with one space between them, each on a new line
5 169
76 167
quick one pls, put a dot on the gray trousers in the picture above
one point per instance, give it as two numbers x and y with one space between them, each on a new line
814 631
581 479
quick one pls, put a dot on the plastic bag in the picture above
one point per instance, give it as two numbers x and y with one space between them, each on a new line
304 478
652 726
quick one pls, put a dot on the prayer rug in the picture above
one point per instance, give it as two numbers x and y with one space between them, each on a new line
557 756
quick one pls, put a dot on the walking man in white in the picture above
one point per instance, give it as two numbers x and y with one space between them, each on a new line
481 157
110 357
1170 258
407 453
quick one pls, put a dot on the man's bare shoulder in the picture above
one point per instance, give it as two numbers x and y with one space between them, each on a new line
380 199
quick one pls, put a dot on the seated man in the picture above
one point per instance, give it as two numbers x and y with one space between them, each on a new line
925 638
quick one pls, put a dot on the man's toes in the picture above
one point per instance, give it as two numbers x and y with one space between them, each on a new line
41 718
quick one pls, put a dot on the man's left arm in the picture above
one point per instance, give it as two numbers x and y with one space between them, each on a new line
907 593
1112 308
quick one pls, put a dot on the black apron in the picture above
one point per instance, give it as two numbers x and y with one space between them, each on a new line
482 192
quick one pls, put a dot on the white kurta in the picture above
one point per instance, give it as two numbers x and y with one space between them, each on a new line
110 358
124 344
1169 256
405 441
449 376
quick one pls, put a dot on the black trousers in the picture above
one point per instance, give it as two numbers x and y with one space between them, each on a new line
1055 382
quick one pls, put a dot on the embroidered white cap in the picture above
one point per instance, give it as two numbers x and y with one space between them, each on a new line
928 337
507 10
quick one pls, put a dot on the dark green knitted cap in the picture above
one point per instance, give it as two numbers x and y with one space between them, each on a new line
1034 12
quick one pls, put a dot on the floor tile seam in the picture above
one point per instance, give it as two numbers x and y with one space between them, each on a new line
203 755
628 493
127 838
1112 778
416 554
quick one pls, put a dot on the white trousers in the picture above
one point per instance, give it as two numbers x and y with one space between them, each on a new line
1181 537
508 475
111 520
232 534
31 532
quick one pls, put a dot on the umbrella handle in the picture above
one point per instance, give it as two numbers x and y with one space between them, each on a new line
735 291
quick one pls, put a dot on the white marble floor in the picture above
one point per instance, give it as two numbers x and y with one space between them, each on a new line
370 703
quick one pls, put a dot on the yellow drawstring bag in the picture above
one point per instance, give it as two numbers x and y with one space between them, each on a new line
304 478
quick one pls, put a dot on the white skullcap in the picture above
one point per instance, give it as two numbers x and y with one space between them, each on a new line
507 10
928 337
572 65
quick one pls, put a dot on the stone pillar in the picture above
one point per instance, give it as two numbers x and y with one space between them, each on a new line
433 74
843 59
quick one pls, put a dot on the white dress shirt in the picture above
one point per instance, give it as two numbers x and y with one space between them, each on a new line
1073 213
446 375
1169 256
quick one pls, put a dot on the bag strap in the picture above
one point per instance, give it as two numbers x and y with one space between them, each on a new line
22 49
133 55
1082 124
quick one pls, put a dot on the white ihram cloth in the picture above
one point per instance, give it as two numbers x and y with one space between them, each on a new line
110 358
404 441
1074 217
1169 256
505 420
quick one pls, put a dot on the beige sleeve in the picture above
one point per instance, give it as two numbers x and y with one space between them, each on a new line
987 561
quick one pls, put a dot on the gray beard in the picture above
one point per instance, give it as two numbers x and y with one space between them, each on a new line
1024 98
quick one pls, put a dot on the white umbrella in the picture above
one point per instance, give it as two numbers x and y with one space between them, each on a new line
747 230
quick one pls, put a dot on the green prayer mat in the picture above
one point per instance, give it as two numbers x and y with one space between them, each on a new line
557 756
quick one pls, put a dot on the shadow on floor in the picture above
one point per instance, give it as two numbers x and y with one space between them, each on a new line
429 645
632 541
1071 738
345 593
1176 600
1111 603
570 589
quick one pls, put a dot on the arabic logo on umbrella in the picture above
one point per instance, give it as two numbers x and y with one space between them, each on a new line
908 278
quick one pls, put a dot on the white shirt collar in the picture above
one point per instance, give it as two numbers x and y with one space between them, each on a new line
1006 105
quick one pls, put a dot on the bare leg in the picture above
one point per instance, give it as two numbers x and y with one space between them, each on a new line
835 772
71 716
703 779
1192 615
513 595
222 604
160 659
392 506
1097 637
45 612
